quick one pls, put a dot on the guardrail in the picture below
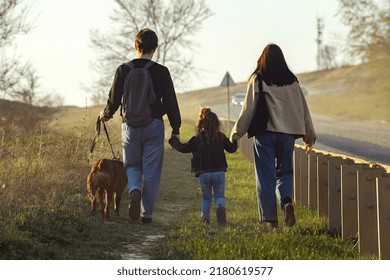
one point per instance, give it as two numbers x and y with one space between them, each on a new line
353 195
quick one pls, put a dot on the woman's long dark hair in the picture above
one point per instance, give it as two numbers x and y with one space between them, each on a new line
273 67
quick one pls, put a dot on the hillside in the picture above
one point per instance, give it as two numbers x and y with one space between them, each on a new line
358 92
24 115
347 92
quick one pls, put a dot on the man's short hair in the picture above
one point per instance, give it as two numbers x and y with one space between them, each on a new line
146 41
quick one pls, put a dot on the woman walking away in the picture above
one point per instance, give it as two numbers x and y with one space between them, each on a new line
208 161
275 113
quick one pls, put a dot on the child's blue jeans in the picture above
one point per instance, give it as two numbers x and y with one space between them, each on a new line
212 182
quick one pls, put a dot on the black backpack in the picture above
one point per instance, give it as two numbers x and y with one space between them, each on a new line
138 94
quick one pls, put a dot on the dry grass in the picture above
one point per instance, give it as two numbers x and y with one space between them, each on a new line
43 202
356 92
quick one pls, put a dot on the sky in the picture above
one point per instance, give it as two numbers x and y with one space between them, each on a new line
230 40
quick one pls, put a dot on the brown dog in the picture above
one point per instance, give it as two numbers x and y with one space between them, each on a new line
107 176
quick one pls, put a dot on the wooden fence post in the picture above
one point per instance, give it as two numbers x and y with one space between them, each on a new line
367 211
297 174
349 217
334 202
322 185
312 181
304 178
383 202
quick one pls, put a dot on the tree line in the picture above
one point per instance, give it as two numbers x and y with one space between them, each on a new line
176 22
19 79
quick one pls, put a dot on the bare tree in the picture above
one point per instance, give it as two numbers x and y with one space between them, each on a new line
17 79
369 39
12 22
52 100
26 88
174 21
369 34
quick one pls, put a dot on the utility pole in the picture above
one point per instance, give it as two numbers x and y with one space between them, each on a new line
320 28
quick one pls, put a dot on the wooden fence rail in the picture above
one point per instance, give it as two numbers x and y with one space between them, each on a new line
351 194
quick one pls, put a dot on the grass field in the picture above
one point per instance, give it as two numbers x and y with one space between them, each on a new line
44 210
245 237
44 206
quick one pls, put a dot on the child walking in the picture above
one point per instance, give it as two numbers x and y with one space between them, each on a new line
208 161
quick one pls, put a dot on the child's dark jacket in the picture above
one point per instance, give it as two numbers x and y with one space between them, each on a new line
206 156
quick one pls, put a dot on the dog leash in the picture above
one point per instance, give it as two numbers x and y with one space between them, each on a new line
97 133
109 142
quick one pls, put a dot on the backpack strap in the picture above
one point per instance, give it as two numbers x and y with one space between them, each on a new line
148 64
131 65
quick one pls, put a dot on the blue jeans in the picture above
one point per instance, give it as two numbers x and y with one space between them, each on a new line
143 156
209 182
273 159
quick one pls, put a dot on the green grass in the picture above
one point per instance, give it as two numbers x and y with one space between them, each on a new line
44 206
245 237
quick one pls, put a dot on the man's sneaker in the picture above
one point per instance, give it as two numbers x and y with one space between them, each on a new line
146 220
135 205
289 217
206 221
221 215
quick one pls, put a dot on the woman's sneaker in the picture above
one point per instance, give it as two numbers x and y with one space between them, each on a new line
272 224
289 217
221 215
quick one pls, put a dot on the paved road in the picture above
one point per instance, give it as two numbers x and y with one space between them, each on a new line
360 139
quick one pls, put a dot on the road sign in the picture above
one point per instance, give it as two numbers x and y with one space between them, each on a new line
227 81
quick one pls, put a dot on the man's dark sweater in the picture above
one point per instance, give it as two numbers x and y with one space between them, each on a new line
166 101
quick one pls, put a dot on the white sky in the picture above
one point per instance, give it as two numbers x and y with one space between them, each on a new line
231 40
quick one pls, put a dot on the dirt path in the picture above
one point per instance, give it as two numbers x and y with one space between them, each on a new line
177 193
